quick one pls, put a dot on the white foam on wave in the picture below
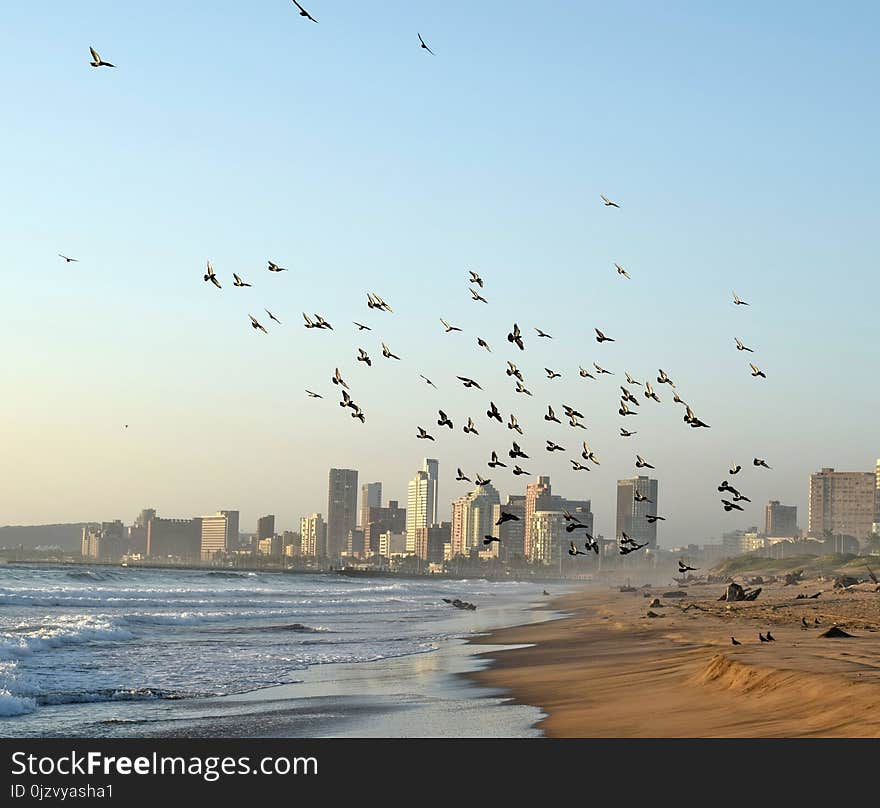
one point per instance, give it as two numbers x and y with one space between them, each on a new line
64 630
15 705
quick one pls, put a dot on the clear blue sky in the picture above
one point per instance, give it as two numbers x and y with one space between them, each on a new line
741 143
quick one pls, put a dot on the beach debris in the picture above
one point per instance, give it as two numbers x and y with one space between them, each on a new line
753 595
653 614
675 594
655 604
835 632
845 581
460 604
803 596
793 578
871 574
762 638
734 592
627 589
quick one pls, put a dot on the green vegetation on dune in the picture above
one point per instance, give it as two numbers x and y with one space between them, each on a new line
834 564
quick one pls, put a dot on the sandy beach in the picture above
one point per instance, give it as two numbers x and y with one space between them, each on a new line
609 670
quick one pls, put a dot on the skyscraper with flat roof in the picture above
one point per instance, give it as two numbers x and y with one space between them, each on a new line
213 536
842 503
313 531
231 529
780 520
341 509
631 512
371 497
265 527
433 469
533 491
420 500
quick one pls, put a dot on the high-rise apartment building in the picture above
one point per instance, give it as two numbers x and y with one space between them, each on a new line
780 520
341 509
213 536
371 497
232 527
473 518
631 512
433 469
177 539
313 533
430 542
381 520
265 527
420 504
842 503
533 491
512 534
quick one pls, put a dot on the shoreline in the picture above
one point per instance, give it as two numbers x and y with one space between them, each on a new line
609 670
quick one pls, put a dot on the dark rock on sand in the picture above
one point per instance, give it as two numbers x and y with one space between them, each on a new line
834 631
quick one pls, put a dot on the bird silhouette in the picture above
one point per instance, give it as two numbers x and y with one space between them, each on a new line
97 61
625 433
477 296
495 462
460 477
737 301
649 392
515 336
386 352
513 370
506 517
444 421
423 435
735 468
652 518
468 382
273 267
303 12
735 641
514 424
638 496
662 378
492 412
320 322
641 463
608 203
600 337
585 374
361 326
756 371
631 380
476 278
521 388
601 370
425 47
574 551
487 539
428 381
478 480
272 316
552 374
68 259
517 452
554 447
740 346
730 506
576 465
518 471
624 410
483 344
551 416
237 281
622 271
469 428
449 327
314 395
210 276
759 462
364 357
256 325
682 567
337 379
544 334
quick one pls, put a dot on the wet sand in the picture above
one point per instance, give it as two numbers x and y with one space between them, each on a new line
610 671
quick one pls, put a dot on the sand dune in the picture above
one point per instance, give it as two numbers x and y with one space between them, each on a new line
608 671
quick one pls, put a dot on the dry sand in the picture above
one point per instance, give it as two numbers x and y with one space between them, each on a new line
610 671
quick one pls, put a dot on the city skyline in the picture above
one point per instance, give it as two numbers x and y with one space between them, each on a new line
523 213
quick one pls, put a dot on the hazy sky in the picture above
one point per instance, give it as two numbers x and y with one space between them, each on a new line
740 142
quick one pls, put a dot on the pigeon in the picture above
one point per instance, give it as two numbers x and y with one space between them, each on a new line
492 412
256 325
320 322
663 378
770 637
624 410
361 326
517 452
303 12
273 267
376 302
337 379
678 399
631 380
552 374
449 327
468 382
483 344
730 506
314 395
682 567
518 471
237 281
513 370
506 517
386 352
600 337
513 424
423 46
543 333
573 550
576 465
363 357
97 61
272 316
571 411
649 392
309 323
424 435
632 549
346 401
638 496
740 346
359 413
737 301
625 433
759 462
521 388
470 428
487 539
601 370
573 421
476 278
551 416
478 480
589 454
554 447
735 468
210 276
515 336
756 371
608 203
735 641
495 462
585 374
762 638
461 477
652 518
443 421
428 381
622 271
477 296
68 259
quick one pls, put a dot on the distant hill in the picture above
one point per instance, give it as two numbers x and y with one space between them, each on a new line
67 536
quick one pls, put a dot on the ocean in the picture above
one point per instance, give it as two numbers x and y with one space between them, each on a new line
115 651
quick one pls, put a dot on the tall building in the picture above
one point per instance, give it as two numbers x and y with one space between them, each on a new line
179 539
842 503
144 516
354 544
371 497
430 542
740 542
473 517
381 520
231 529
780 520
548 535
213 536
265 528
104 542
533 491
433 469
341 509
314 536
421 497
512 534
631 513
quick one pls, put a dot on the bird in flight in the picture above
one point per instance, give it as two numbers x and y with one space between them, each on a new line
759 462
376 302
516 337
554 447
756 371
506 517
320 322
589 454
309 323
514 424
740 346
662 378
361 326
641 463
495 463
386 352
237 281
303 12
682 567
478 480
364 357
517 452
638 496
483 344
631 380
513 370
585 374
449 327
425 47
97 61
735 468
624 410
492 412
576 465
518 471
625 433
273 267
622 271
468 382
428 381
678 399
314 395
608 202
552 374
476 279
68 259
210 276
359 414
460 476
470 428
443 420
256 325
600 337
649 392
651 517
730 506
337 379
272 316
551 416
424 435
573 550
601 370
487 539
520 388
543 333
477 296
737 300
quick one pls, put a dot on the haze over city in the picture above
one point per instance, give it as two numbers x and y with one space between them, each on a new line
397 180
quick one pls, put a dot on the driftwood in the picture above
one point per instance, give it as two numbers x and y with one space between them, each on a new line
793 578
676 594
753 595
734 592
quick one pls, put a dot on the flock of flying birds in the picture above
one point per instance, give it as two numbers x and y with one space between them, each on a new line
626 544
